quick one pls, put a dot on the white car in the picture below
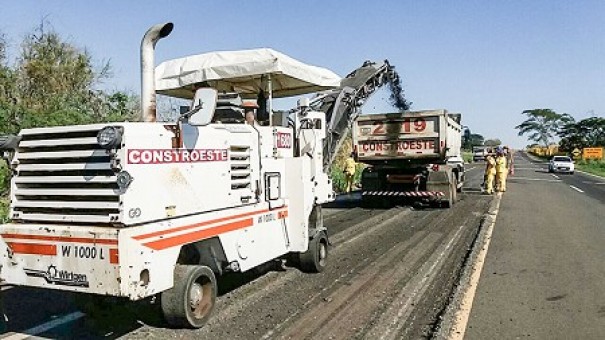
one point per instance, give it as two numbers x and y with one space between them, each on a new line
561 164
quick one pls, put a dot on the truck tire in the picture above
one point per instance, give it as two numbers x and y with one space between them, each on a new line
455 189
452 196
315 258
190 302
368 202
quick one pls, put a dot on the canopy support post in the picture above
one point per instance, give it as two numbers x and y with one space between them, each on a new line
270 86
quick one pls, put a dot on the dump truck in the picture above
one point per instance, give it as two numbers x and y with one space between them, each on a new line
414 155
147 209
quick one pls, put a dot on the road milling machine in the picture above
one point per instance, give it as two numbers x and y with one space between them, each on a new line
161 209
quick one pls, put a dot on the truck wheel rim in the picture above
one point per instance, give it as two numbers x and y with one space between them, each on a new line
200 297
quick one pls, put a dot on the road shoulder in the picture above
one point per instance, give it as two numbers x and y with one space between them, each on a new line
455 318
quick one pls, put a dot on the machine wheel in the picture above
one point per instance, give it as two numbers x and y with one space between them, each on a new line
189 303
315 258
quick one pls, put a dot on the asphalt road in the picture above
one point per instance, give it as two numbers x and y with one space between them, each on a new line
390 275
544 274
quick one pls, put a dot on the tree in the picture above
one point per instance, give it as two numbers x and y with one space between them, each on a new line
473 139
54 83
542 125
54 72
588 132
476 139
492 142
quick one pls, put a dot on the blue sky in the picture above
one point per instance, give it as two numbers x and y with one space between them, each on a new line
488 60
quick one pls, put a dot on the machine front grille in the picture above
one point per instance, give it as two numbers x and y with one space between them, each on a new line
63 175
240 167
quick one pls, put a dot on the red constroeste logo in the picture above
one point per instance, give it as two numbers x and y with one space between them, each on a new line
163 156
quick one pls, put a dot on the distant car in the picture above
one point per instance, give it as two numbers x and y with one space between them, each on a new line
561 164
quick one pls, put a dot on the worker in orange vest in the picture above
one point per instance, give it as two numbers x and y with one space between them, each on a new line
349 172
249 114
501 170
490 174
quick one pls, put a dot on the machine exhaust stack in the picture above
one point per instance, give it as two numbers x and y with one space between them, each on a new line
148 104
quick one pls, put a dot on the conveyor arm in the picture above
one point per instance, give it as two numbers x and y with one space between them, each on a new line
342 105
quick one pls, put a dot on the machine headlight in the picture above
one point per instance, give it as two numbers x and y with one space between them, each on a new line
123 179
109 137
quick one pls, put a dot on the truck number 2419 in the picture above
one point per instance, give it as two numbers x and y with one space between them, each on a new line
417 124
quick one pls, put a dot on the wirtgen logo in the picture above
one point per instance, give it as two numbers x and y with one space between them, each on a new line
59 277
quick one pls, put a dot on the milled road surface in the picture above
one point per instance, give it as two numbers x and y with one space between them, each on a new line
390 275
544 274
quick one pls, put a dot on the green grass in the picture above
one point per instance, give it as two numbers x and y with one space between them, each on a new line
467 156
3 209
4 180
339 183
592 166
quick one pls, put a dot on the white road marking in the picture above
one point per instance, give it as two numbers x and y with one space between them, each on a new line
555 176
45 327
462 315
576 188
535 179
5 288
593 183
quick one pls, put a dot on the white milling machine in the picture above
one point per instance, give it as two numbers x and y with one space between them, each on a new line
137 209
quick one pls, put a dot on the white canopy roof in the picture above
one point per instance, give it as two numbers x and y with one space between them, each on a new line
241 71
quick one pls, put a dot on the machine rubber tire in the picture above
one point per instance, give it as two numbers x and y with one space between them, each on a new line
571 173
314 259
190 302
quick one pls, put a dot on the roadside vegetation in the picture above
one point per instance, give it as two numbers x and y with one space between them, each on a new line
544 125
339 182
4 175
592 166
52 82
467 156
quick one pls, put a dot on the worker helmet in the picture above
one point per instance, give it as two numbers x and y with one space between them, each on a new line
249 104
